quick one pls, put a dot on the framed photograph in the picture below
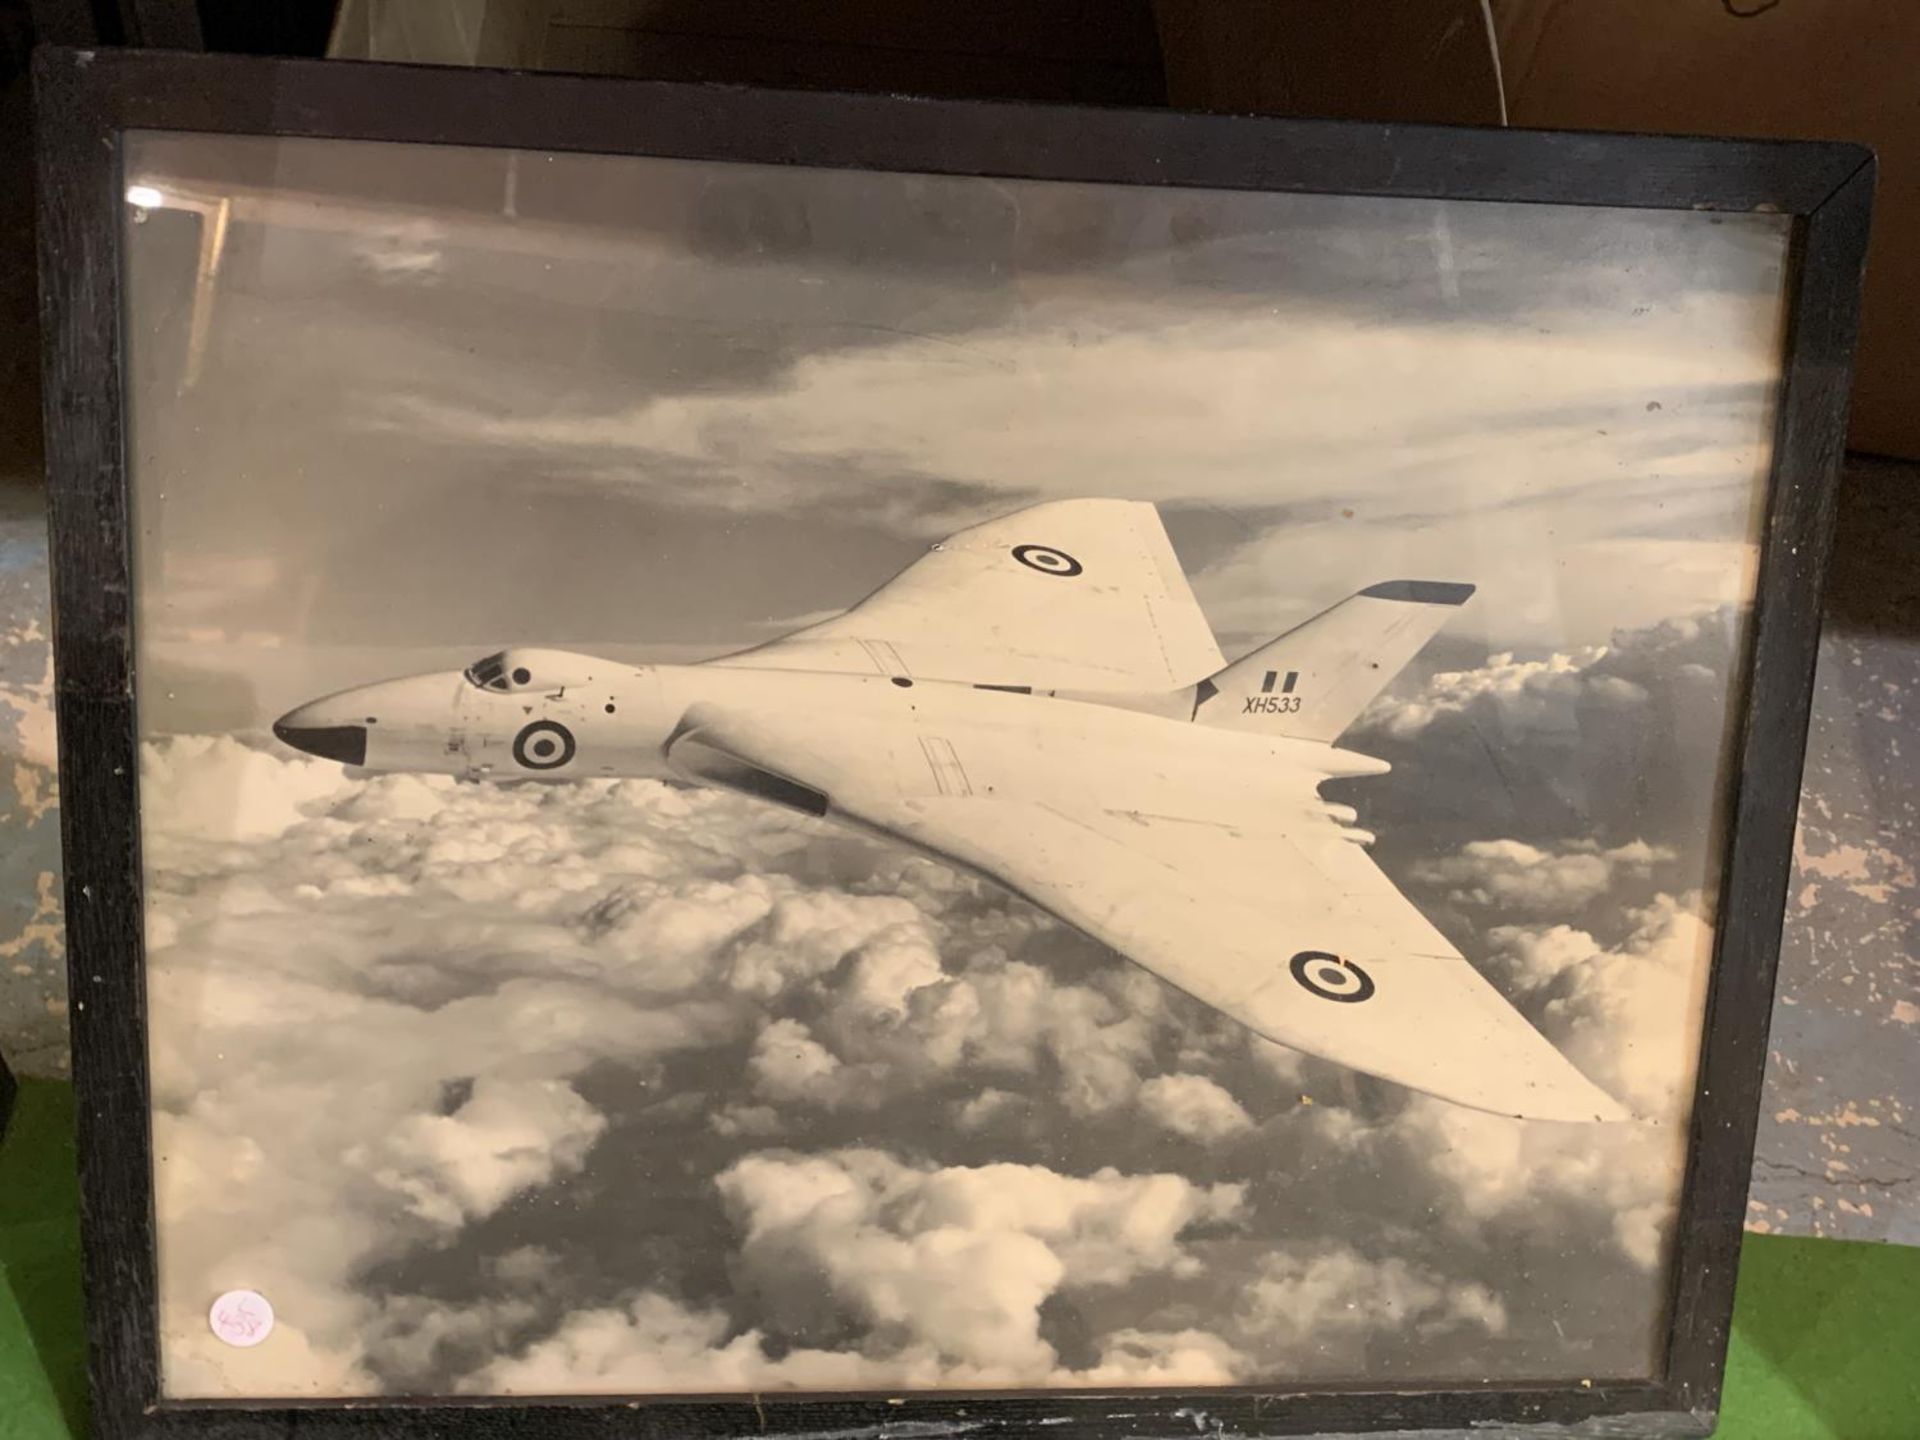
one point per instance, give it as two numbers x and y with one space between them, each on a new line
744 762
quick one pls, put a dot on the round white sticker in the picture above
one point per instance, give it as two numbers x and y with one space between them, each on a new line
241 1317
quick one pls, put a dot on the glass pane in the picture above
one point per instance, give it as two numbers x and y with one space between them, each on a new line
1026 971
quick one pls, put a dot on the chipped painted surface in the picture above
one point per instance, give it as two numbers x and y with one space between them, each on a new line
1839 1142
33 975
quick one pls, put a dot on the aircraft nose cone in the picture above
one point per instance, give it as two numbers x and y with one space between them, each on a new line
345 743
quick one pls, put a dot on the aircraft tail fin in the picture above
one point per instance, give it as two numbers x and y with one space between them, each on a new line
1312 682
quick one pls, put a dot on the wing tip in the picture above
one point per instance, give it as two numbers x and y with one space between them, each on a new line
1590 1105
1421 592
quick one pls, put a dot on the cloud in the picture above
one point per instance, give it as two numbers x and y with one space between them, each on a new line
1181 379
808 934
1193 1106
1512 875
1631 1014
217 788
893 1016
1536 1177
303 930
505 1138
1618 745
1534 957
789 1064
959 1259
1521 692
1313 1305
655 1345
1527 461
476 952
1573 416
1186 1358
559 997
944 1271
1659 665
989 1106
269 1178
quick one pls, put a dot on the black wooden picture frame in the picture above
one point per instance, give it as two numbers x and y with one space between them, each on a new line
88 99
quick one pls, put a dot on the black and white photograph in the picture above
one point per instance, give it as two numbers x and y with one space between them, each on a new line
776 778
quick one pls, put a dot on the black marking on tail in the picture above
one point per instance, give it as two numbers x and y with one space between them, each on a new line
1202 693
1421 592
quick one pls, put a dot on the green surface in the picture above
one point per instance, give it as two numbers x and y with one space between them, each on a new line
43 1382
1826 1333
1826 1342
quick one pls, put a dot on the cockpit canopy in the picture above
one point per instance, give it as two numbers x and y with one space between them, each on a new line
521 669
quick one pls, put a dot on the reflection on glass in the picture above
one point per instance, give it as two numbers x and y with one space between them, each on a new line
593 1018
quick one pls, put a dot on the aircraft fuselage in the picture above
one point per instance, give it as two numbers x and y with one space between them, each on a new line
579 717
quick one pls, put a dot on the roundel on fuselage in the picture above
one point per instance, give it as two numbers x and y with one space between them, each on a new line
543 745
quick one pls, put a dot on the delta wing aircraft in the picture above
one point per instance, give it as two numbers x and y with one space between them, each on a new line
1039 699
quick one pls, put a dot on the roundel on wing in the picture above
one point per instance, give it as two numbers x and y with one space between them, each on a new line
543 745
1047 560
1331 978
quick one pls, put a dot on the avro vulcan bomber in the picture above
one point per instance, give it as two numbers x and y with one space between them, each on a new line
1039 700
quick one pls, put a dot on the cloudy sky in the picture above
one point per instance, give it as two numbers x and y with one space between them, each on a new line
664 1090
670 407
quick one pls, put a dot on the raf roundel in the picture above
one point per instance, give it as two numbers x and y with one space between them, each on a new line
543 745
1331 978
1047 560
